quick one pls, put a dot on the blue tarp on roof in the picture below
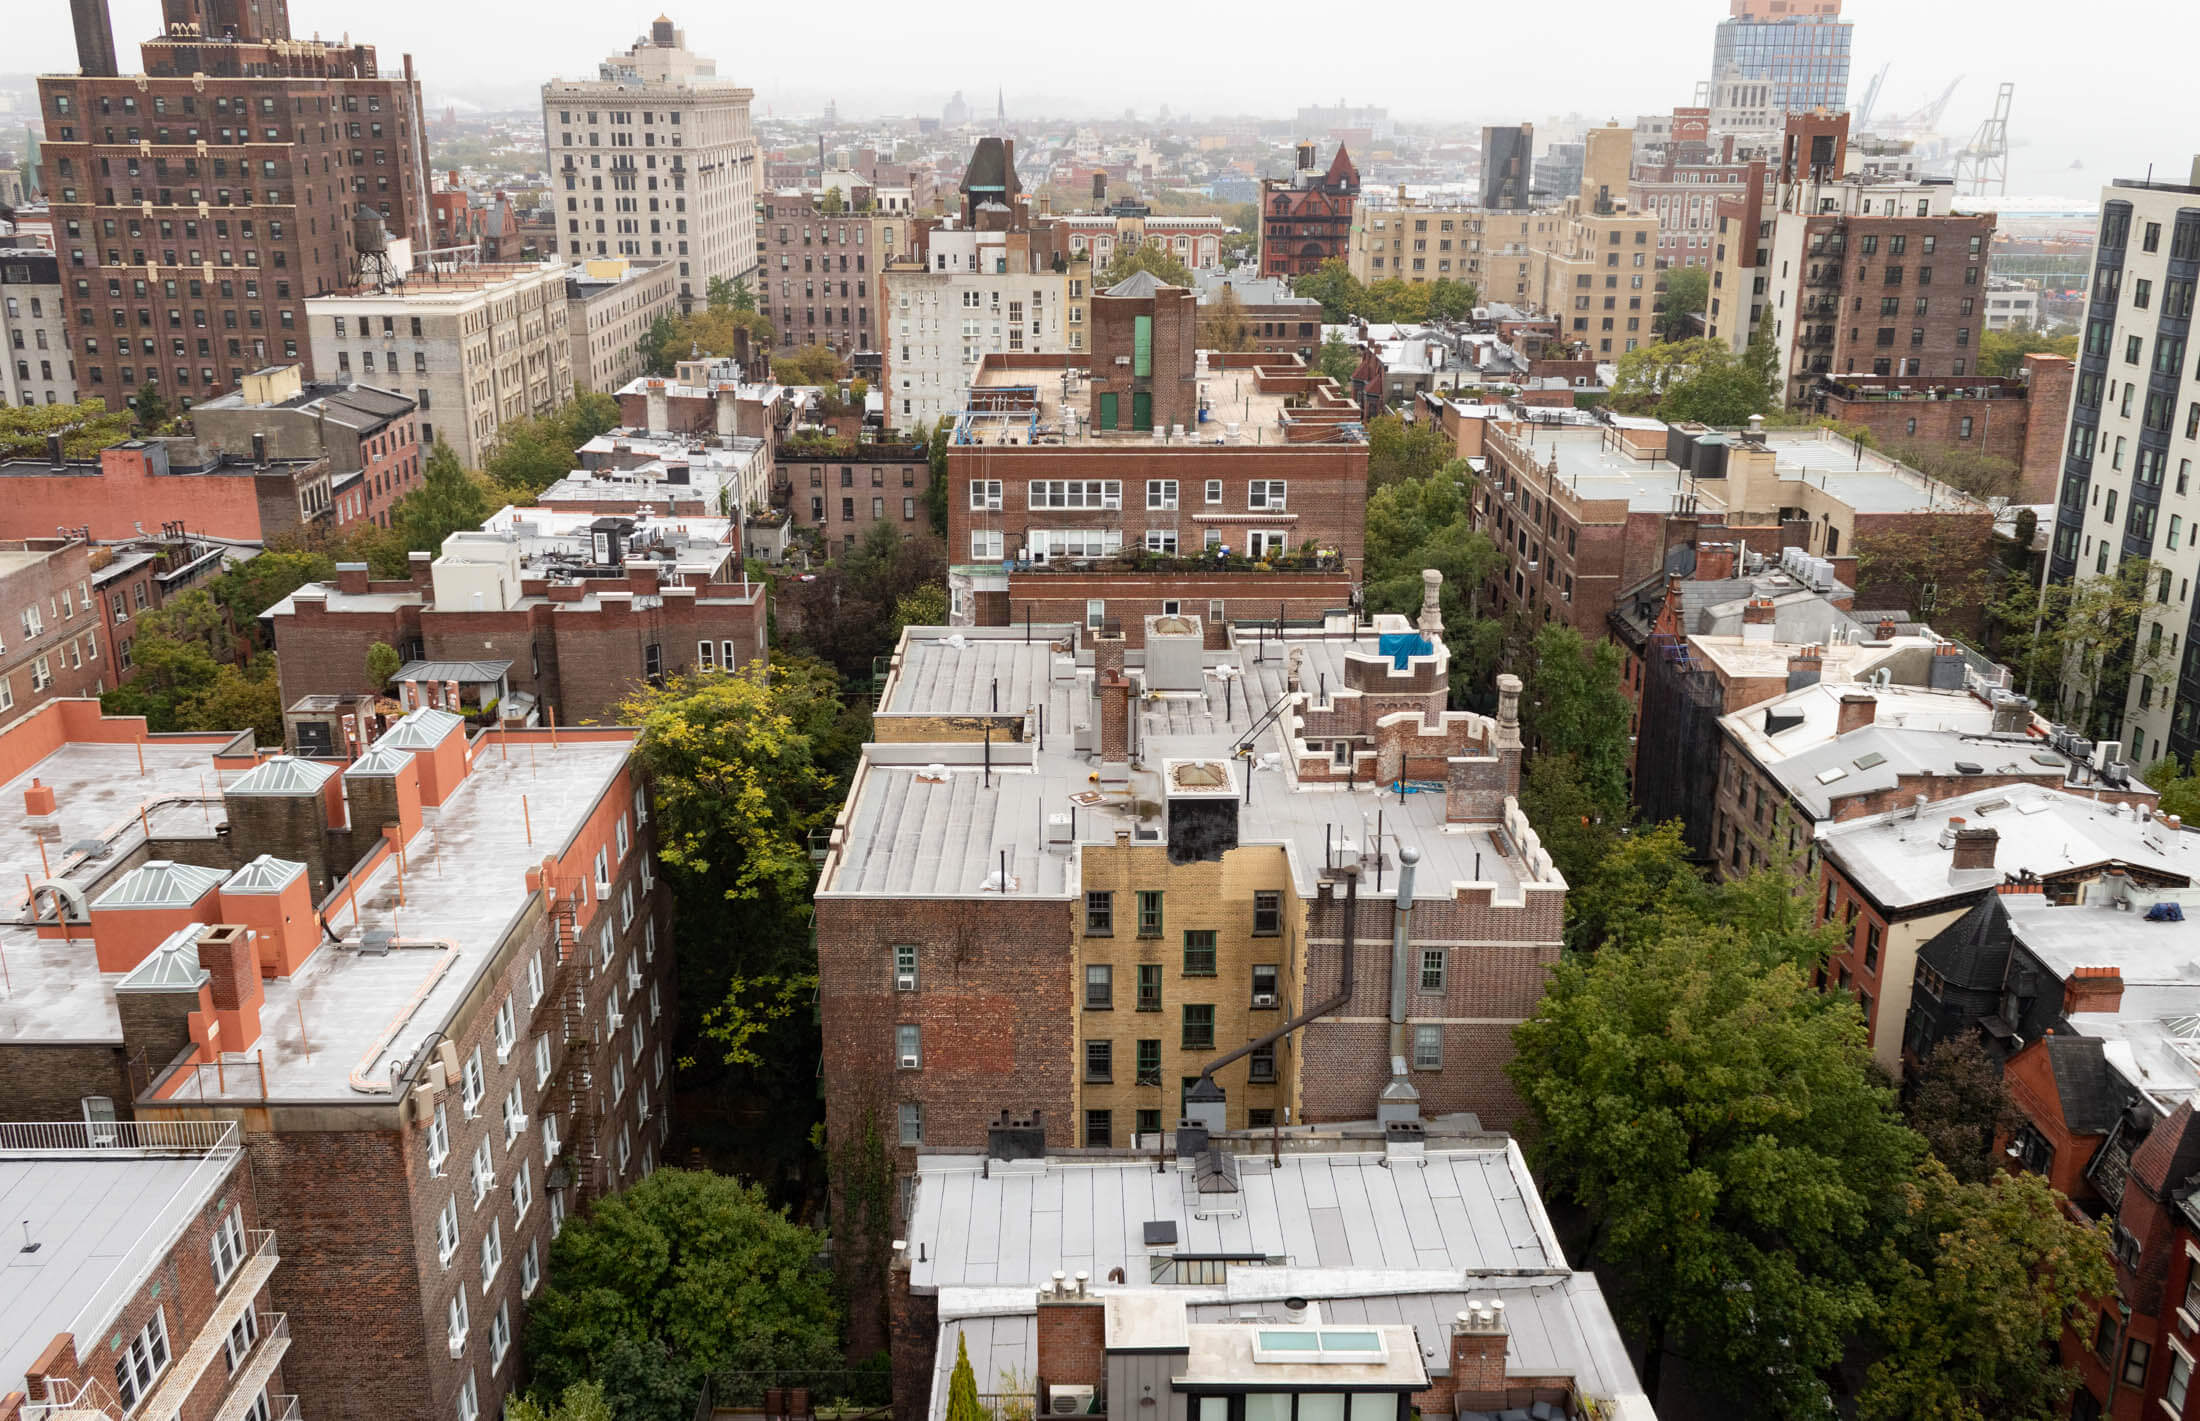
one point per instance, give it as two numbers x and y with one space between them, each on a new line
1399 646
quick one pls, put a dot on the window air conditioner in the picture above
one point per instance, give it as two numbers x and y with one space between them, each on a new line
1069 1400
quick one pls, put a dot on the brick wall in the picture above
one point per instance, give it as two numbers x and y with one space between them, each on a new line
49 1082
1061 597
1072 1341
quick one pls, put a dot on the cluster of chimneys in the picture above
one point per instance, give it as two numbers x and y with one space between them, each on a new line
1481 1316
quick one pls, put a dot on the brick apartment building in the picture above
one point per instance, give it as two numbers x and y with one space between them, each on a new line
610 305
37 366
143 1261
1680 182
197 205
1169 461
820 273
2019 420
1126 224
542 612
845 487
1585 511
1306 219
370 437
142 575
1276 321
432 1052
252 496
1173 901
53 640
1863 274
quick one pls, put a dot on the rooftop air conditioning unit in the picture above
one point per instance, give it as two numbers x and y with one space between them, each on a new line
1069 1400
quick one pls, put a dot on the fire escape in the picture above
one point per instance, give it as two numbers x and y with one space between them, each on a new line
565 1010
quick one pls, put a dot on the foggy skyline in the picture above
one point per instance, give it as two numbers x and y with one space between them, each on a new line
1506 65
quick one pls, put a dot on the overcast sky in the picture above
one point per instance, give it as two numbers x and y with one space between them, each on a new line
1604 58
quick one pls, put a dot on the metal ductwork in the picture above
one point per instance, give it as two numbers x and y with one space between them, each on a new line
1399 1100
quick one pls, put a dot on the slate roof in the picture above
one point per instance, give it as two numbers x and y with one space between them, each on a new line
2170 1154
157 883
1972 951
2084 1085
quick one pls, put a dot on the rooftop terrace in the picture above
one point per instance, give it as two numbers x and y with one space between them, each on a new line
1046 399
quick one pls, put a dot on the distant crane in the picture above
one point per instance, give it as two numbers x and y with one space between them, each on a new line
1923 123
1863 122
1985 163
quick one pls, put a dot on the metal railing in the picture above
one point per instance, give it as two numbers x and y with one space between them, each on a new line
194 1137
64 1396
282 1408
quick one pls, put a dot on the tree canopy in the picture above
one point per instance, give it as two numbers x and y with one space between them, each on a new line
2077 644
1698 380
449 499
1339 359
2002 353
1400 449
1344 297
1222 323
533 452
1134 257
1687 292
85 428
1423 522
692 1271
808 365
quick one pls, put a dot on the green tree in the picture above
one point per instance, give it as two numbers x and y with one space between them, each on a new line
2077 645
150 408
810 365
696 1267
1334 285
924 606
85 429
582 1401
448 500
2001 353
1715 1114
1960 1104
383 664
656 344
1130 259
1424 523
832 204
935 492
1398 449
1648 373
1976 472
1577 708
249 588
533 452
1988 1276
1635 891
1570 818
2179 785
722 294
1450 300
1222 323
1339 359
1687 293
962 1386
1761 359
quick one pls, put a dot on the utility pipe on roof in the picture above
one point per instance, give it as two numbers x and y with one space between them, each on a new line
1320 1009
1401 946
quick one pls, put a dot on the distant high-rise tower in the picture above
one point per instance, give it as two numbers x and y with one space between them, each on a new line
1000 104
1799 49
1507 163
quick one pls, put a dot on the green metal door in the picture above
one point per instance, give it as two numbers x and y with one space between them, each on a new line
1141 409
1107 409
1141 346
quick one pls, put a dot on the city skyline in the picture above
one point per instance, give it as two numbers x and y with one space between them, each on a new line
1646 62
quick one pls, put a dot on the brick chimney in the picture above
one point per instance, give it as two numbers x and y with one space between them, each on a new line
1758 612
1714 562
1975 848
1886 629
1072 1334
351 578
1114 690
1478 1356
1806 667
2097 989
233 962
1858 708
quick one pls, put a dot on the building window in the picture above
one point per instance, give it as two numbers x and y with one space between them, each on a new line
1428 1048
1265 978
1267 912
228 1247
1149 1062
142 1362
1149 913
910 1115
1100 1061
1432 969
1149 986
1099 987
908 1048
1199 1028
905 967
1100 914
1099 1129
1199 952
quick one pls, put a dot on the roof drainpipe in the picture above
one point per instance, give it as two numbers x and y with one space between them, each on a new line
1399 1100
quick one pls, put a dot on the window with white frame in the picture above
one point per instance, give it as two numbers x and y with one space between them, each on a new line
657 1068
523 1189
439 1140
1265 494
458 1321
228 1246
985 494
618 1078
1428 1048
986 545
641 1099
641 806
706 656
911 1120
484 1172
626 907
634 1035
500 1333
141 1362
649 934
446 1231
1074 493
1161 540
238 1344
492 1253
603 874
626 1149
619 837
653 1001
549 1139
474 1083
469 1401
908 1047
542 1060
534 979
515 1113
1214 492
1047 543
1160 494
1261 542
557 1211
507 1029
606 947
530 1271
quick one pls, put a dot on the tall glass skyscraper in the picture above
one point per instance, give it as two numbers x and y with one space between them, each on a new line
1799 47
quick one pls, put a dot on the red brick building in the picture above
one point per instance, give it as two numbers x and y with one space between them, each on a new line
425 987
845 487
146 1262
197 205
55 640
1306 219
138 485
2019 420
370 437
568 612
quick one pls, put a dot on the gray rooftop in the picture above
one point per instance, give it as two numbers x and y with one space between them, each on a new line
465 672
1904 859
103 1218
934 818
